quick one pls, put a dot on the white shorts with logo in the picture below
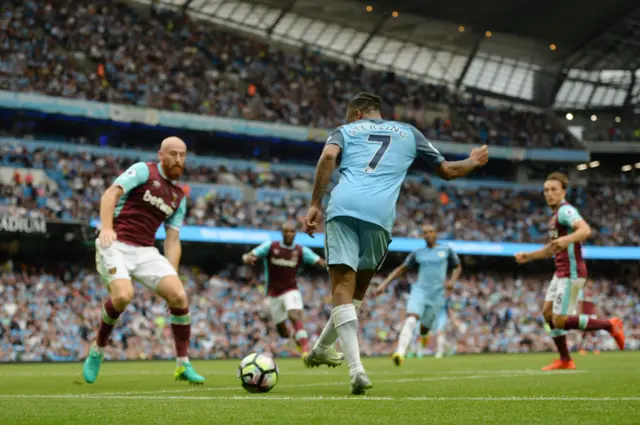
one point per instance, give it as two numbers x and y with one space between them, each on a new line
144 264
280 305
563 292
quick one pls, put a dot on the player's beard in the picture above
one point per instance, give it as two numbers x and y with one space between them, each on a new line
174 172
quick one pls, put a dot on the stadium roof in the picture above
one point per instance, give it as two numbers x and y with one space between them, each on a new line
571 53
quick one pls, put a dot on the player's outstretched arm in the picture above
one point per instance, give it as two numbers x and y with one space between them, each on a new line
260 251
455 169
313 259
525 257
396 273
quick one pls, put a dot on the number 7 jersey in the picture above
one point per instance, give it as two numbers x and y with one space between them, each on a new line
376 155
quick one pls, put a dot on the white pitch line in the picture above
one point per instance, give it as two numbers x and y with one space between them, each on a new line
283 398
298 373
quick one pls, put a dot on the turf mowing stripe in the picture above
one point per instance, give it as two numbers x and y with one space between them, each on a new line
343 383
331 384
303 398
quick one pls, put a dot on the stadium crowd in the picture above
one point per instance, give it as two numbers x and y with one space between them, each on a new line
49 315
108 51
500 215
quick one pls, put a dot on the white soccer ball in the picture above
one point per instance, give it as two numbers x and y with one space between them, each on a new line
258 373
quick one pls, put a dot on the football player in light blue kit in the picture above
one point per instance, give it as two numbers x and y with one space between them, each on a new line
375 156
427 299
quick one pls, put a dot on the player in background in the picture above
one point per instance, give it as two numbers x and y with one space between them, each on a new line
375 156
587 307
567 231
131 210
427 298
282 260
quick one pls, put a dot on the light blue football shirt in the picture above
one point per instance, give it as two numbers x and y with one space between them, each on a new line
376 155
433 264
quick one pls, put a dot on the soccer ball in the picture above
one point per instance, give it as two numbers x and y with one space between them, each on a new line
258 373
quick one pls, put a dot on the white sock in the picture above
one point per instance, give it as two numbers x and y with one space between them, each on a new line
345 319
406 333
329 335
358 304
440 343
182 360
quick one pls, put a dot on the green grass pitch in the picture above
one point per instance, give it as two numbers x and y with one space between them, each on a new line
491 389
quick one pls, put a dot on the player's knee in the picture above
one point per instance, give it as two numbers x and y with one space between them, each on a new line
177 298
121 295
558 321
295 315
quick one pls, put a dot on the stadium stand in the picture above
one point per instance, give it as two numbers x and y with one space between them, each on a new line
175 63
163 59
493 214
52 315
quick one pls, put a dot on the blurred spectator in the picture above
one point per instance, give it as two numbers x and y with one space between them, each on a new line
104 50
485 214
54 316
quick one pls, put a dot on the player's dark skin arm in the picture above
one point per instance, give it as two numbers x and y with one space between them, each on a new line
324 170
453 170
396 273
172 247
455 274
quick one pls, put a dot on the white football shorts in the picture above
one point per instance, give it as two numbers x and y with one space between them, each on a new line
144 264
563 293
280 305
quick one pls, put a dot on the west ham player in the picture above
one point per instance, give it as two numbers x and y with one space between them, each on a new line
427 298
131 210
281 263
567 230
586 307
375 156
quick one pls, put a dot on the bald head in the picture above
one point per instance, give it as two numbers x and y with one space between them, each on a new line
172 156
173 142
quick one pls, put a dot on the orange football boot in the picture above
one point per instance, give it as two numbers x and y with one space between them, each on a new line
560 365
617 331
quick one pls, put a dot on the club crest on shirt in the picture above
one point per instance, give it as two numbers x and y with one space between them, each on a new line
112 270
441 254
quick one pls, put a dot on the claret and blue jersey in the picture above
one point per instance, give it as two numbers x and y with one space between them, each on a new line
281 264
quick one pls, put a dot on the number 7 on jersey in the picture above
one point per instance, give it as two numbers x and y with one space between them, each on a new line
385 142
